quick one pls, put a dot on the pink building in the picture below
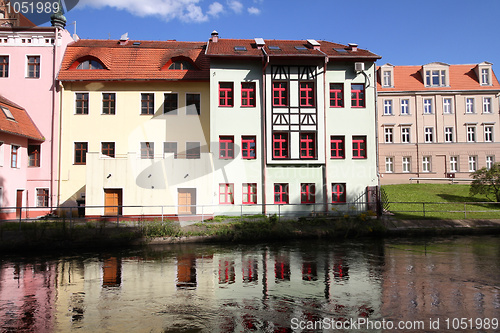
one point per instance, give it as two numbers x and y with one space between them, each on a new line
437 121
30 59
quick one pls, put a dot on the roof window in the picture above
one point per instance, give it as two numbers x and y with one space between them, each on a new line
240 48
274 48
89 64
341 50
301 48
7 112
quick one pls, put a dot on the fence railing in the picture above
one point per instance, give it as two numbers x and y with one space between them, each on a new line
464 210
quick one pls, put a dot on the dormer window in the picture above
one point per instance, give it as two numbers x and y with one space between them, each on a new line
181 65
483 72
387 75
387 79
435 78
89 64
485 76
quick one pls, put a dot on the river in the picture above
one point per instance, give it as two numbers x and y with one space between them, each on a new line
306 286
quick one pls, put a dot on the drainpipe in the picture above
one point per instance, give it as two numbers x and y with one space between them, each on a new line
416 137
264 129
52 124
376 127
59 146
325 108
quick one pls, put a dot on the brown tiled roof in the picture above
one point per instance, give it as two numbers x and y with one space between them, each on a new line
287 48
23 125
143 61
462 77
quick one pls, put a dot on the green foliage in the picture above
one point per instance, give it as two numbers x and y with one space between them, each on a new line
487 182
161 229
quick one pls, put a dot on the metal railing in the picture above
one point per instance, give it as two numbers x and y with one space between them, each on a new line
466 210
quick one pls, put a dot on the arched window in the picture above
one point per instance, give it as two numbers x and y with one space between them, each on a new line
181 65
89 64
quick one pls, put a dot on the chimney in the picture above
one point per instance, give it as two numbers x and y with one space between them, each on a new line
353 47
124 39
314 44
215 36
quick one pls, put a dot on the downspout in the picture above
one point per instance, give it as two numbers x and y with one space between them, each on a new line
52 124
264 131
416 136
59 147
325 169
376 129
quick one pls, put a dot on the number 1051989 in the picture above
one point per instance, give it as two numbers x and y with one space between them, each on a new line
33 7
471 324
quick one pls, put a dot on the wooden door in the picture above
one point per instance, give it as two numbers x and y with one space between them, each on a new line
19 203
187 201
113 202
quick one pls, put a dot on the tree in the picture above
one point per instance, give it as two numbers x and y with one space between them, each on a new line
487 182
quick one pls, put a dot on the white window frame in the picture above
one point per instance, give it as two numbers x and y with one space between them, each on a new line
454 164
388 134
405 107
486 104
427 105
471 133
488 133
485 76
490 160
469 105
429 134
448 134
447 106
36 196
406 164
387 76
176 148
472 163
432 73
388 107
407 135
389 164
426 164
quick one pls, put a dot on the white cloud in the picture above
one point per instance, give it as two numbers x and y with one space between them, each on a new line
254 11
184 10
235 5
215 9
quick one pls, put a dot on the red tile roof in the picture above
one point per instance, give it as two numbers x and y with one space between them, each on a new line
22 124
462 77
287 48
134 62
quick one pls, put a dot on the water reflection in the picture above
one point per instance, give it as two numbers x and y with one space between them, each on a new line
251 288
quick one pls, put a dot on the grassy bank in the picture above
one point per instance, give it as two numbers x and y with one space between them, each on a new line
438 201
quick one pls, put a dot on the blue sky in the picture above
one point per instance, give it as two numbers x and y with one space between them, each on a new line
402 32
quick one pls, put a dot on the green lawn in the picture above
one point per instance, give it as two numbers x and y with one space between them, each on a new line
440 201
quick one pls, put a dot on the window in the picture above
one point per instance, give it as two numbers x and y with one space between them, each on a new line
485 76
426 164
471 133
487 105
34 155
337 144
388 137
226 94
307 94
193 150
453 163
248 147
148 104
248 94
358 95
388 107
338 193
280 145
405 107
34 66
89 64
307 193
147 150
14 156
108 103
386 79
193 104
81 152
4 66
472 163
180 65
447 106
249 193
448 134
469 105
307 145
359 147
1 154
336 95
170 103
280 193
406 164
170 147
429 134
42 197
226 194
488 133
490 160
405 134
435 78
108 149
7 112
280 94
226 147
427 106
389 164
82 103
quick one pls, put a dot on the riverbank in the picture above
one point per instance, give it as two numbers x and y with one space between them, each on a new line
49 236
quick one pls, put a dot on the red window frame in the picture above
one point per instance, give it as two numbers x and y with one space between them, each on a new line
108 149
247 94
42 197
359 147
336 95
81 152
147 104
226 193
108 103
280 93
307 193
226 94
14 156
280 193
338 193
249 194
170 103
4 66
280 145
248 147
306 90
34 155
82 103
357 95
226 147
337 147
308 145
34 67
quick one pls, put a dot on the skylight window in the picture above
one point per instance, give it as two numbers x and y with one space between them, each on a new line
7 112
301 48
136 43
340 50
274 48
240 48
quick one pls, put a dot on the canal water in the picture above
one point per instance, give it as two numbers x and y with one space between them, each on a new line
304 286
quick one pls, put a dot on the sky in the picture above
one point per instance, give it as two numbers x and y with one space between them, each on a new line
402 32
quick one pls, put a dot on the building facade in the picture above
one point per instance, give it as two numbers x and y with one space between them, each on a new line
437 121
